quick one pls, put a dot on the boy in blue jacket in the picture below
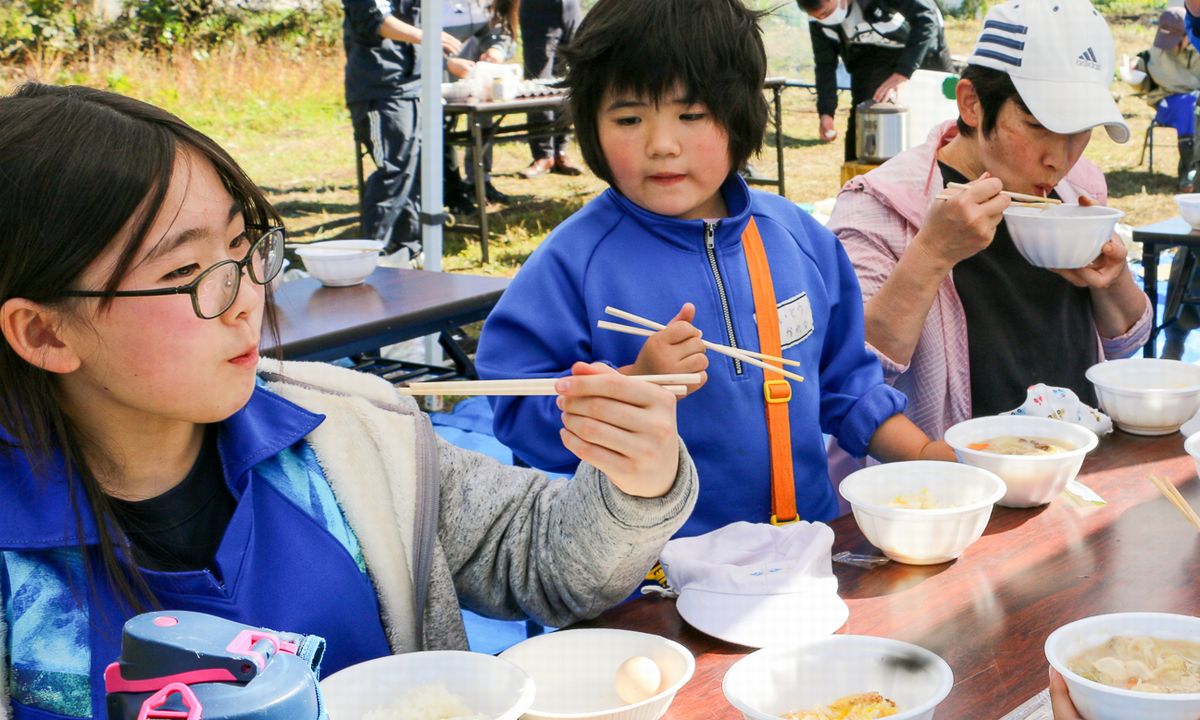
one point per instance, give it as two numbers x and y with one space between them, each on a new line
667 102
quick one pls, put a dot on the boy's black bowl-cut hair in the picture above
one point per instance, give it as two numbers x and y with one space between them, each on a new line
712 48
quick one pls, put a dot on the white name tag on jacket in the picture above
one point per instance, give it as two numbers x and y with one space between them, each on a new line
795 320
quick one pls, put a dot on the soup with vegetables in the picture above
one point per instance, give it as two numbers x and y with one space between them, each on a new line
1144 664
1019 445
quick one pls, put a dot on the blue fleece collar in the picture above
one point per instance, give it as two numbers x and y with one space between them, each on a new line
35 514
689 234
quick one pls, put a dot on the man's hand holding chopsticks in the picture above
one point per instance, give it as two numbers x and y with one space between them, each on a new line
962 222
624 427
675 349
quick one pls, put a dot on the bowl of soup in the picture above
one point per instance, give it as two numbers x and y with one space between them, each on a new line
1147 396
922 512
1035 457
826 677
1130 666
1061 236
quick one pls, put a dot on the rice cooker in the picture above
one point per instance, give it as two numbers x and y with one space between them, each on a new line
197 666
881 130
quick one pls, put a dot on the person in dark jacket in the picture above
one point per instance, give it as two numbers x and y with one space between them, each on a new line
881 42
545 26
383 76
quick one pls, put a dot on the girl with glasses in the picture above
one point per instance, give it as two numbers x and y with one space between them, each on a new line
150 459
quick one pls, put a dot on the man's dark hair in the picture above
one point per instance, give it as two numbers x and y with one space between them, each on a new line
712 48
810 6
994 88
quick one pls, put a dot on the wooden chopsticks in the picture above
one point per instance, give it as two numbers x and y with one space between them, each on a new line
1019 199
749 357
677 384
1176 498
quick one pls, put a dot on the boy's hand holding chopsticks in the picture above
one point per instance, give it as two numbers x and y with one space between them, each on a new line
622 426
677 348
963 222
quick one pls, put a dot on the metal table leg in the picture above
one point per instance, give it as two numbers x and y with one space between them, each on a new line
778 92
480 181
1150 252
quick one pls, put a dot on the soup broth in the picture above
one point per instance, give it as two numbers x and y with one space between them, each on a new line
1020 445
1144 664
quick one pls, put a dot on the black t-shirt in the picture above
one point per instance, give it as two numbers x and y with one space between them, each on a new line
181 529
1025 325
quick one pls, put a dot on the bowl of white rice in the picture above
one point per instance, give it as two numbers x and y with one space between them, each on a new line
437 685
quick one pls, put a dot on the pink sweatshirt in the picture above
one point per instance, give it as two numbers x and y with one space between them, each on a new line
876 217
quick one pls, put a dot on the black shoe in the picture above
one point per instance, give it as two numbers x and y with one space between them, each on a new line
461 204
495 196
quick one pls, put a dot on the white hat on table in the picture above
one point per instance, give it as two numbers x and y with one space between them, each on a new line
757 584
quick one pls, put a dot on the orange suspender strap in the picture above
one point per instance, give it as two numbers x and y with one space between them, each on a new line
776 391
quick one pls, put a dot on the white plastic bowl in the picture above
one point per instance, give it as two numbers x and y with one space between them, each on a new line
1147 396
1102 702
1062 236
915 536
487 684
341 263
1192 446
1189 208
769 683
574 672
1032 480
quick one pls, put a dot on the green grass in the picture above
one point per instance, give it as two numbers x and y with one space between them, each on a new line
280 112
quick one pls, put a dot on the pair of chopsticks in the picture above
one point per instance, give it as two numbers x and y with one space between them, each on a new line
1176 498
649 327
1019 199
677 384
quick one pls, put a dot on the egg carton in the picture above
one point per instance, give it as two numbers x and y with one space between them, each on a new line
539 87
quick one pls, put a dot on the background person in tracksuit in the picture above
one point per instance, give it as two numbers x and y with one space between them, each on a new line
546 25
382 92
881 42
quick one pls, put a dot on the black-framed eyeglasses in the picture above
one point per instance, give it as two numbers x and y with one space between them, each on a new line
214 290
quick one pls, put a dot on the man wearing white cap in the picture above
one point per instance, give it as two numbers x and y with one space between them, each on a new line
961 323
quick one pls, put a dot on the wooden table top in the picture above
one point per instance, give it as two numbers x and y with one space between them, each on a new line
989 612
393 305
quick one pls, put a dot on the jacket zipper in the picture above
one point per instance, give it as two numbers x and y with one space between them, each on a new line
710 247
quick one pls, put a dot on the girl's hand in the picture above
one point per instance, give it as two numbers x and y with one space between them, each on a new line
677 349
1060 699
623 427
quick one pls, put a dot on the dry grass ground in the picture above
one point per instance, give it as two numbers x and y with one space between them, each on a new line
281 115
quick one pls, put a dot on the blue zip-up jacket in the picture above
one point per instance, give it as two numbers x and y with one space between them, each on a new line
613 252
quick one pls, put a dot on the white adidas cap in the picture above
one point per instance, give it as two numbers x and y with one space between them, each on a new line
1059 54
757 584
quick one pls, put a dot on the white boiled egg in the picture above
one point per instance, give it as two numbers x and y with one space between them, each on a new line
637 678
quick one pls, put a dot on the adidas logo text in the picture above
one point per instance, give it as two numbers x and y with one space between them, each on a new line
1088 59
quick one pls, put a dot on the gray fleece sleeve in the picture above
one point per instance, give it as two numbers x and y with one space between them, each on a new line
521 545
